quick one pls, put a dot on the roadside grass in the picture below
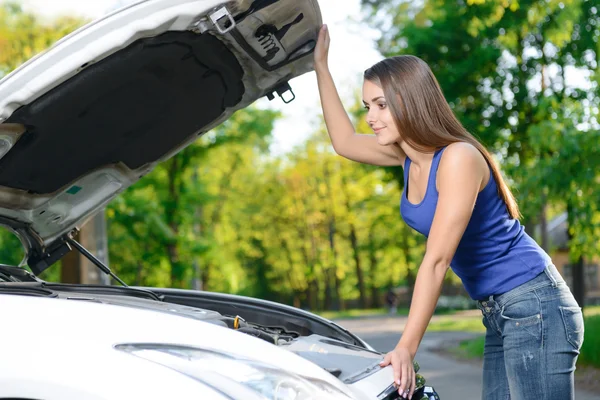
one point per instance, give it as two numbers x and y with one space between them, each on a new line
469 349
590 311
374 312
457 323
452 321
359 313
590 351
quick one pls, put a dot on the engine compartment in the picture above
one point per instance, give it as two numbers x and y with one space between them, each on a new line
344 359
274 335
347 362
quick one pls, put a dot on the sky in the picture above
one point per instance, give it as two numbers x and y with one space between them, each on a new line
352 51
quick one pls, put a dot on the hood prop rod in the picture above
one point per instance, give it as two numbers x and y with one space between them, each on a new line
69 239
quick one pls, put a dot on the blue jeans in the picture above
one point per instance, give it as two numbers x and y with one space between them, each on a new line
533 336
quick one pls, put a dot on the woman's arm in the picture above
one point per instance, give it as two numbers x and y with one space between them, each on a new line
459 179
357 147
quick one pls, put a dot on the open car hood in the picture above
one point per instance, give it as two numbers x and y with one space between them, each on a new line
85 120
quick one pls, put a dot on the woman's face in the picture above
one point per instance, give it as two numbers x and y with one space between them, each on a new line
379 116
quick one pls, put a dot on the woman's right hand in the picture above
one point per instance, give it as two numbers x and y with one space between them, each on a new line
404 373
322 48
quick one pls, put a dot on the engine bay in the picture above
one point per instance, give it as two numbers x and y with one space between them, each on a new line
320 341
344 359
347 362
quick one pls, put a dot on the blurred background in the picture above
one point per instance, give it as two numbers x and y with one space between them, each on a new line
262 206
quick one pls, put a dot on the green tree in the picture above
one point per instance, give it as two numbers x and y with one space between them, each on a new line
497 63
172 216
22 36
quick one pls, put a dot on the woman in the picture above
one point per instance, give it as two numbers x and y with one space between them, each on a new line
455 195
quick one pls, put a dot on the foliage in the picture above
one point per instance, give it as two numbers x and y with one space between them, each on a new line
589 354
318 231
361 313
172 218
458 324
472 348
11 250
514 73
300 230
310 229
23 35
590 350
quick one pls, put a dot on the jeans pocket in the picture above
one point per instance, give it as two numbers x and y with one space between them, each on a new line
573 320
524 314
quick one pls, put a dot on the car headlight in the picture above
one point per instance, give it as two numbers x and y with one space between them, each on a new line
226 372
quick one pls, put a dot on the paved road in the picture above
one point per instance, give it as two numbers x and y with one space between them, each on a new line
452 380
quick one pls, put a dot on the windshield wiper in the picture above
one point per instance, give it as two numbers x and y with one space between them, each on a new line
140 293
9 273
26 289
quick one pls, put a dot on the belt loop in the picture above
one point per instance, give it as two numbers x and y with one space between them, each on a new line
550 275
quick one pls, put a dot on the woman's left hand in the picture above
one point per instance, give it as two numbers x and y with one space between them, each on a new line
404 372
321 52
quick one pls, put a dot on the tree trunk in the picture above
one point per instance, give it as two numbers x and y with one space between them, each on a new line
310 304
170 216
411 279
297 302
330 274
297 296
138 274
76 268
70 271
410 275
577 268
374 301
313 288
544 229
315 254
339 303
529 226
176 272
359 272
205 276
196 276
355 249
578 274
311 297
328 303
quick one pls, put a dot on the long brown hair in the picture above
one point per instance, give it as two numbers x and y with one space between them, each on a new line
423 116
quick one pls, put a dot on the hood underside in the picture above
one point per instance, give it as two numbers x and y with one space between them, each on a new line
130 108
82 122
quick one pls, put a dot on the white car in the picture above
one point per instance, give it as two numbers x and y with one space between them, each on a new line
107 104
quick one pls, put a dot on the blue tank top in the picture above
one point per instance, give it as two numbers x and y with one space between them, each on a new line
495 253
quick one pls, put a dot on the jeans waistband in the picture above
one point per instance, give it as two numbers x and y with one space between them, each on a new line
549 277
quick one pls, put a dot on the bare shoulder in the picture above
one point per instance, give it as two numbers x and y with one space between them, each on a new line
462 155
463 161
